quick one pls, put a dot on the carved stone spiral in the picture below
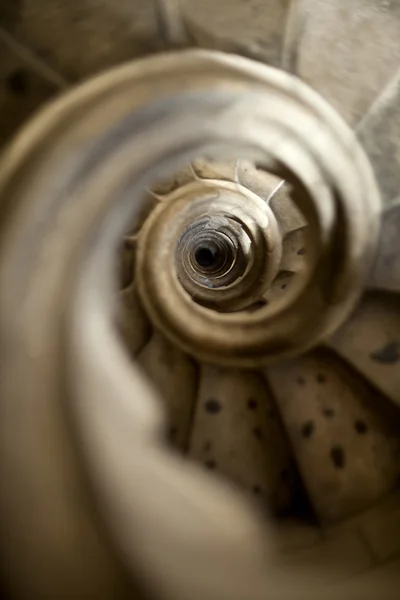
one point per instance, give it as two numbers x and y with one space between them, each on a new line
252 225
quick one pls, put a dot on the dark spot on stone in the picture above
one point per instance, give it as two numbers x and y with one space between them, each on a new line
211 464
328 412
252 403
212 406
256 490
388 355
321 378
308 429
285 475
301 381
301 251
18 82
284 286
258 305
258 433
361 427
338 457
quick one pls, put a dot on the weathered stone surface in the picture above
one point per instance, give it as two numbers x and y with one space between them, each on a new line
373 584
257 180
22 91
386 272
174 375
380 134
370 342
335 558
294 258
237 433
382 530
285 210
348 51
255 26
211 169
133 323
346 449
80 37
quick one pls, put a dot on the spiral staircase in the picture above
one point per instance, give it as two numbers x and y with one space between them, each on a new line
200 326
